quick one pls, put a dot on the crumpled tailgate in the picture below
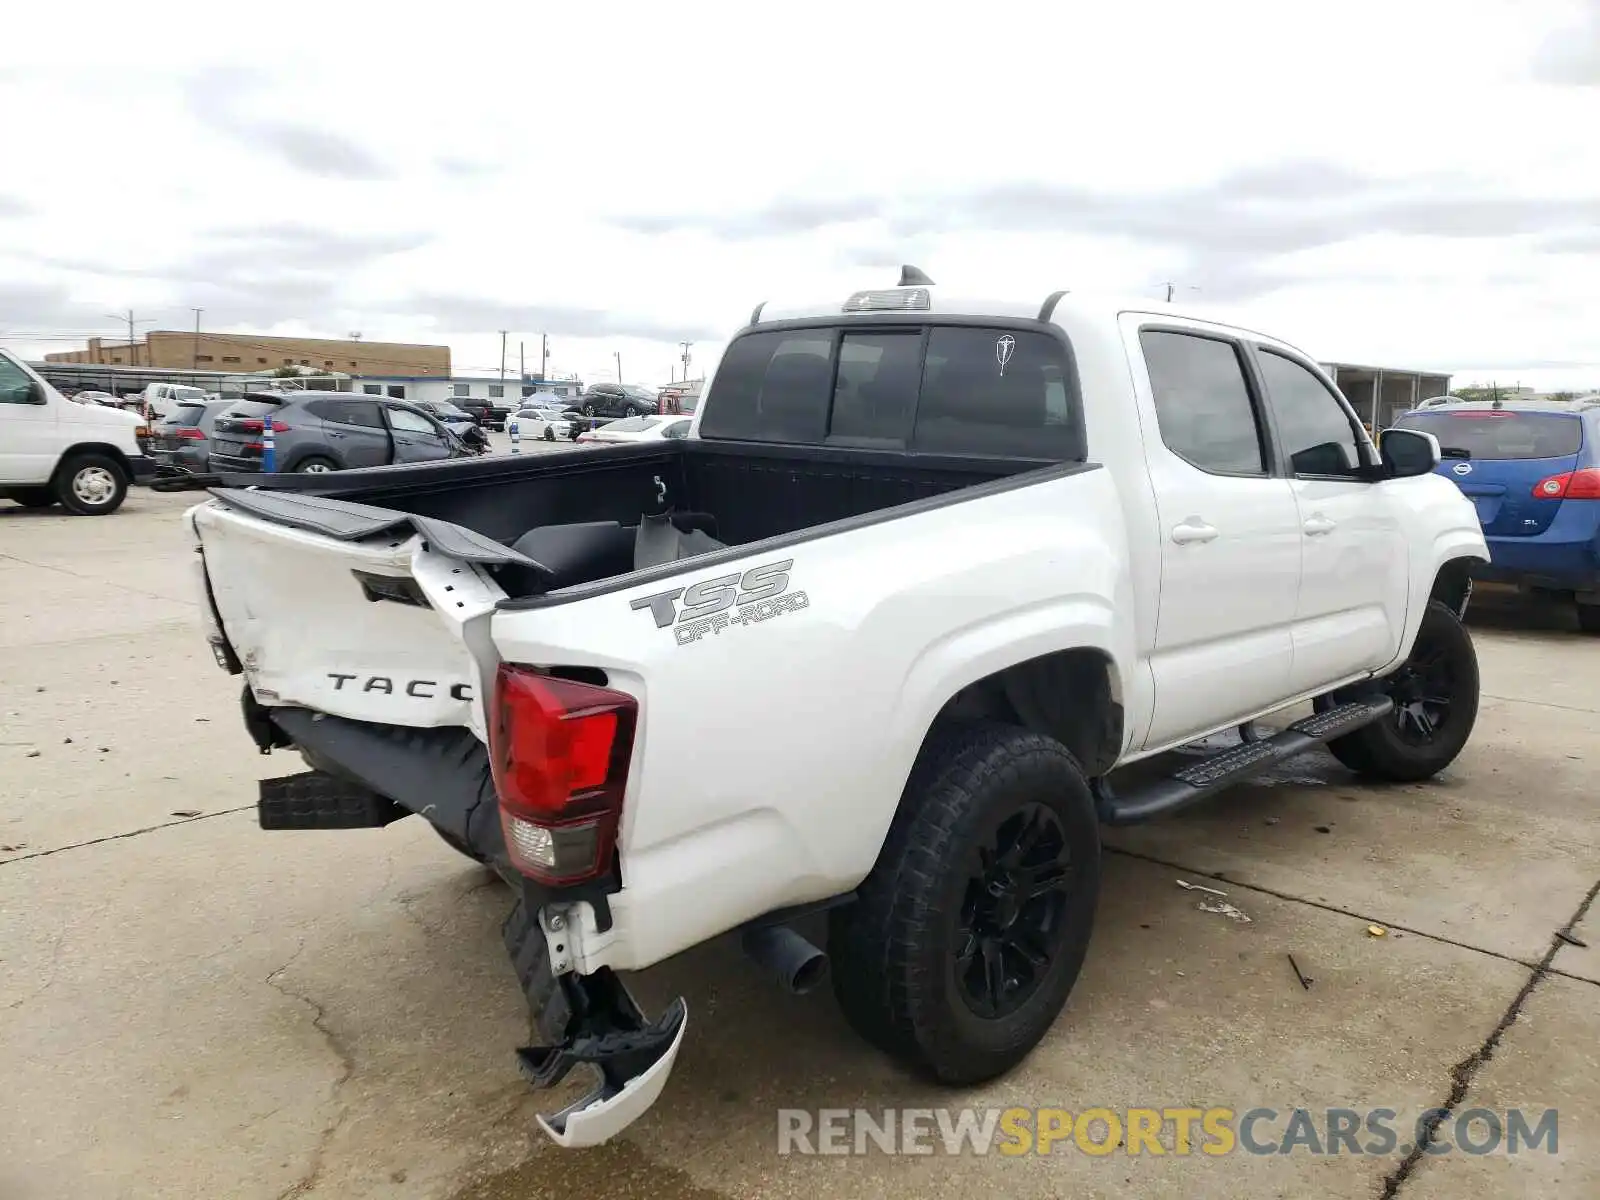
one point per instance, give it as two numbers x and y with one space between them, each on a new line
386 629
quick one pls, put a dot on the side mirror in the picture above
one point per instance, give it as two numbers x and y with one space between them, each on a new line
1408 452
37 394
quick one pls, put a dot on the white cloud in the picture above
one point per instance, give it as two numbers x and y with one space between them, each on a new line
1410 183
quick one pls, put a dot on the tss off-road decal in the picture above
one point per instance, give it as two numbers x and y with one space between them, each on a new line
713 605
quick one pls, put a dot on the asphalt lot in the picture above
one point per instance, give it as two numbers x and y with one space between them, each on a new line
196 1008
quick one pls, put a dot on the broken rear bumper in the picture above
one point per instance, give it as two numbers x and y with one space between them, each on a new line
369 776
590 1021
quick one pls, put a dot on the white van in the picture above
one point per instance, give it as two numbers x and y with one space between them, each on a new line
52 451
161 400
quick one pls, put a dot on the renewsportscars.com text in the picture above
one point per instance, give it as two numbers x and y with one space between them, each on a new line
1177 1131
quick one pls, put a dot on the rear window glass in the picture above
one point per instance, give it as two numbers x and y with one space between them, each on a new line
245 409
1498 433
996 391
942 389
185 414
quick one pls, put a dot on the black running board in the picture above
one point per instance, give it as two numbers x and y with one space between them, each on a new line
1235 764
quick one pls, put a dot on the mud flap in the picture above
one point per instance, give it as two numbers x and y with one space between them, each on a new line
633 1069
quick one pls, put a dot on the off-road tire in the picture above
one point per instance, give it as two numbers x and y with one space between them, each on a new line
1384 750
894 949
72 492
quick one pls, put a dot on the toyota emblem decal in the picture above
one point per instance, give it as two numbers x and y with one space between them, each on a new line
1003 350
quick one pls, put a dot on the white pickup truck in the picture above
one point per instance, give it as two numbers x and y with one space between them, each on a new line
54 451
875 639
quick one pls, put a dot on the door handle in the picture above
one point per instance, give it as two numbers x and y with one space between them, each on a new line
1193 530
1318 525
335 434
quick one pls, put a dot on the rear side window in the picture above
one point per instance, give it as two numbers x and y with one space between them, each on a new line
1499 433
347 412
943 389
1202 402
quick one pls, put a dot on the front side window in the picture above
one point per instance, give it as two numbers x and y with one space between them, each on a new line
1315 429
403 420
1202 400
16 385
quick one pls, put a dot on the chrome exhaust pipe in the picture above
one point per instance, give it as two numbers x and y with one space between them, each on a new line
798 966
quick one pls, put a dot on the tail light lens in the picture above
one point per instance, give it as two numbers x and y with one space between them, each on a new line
252 425
188 433
559 751
1570 485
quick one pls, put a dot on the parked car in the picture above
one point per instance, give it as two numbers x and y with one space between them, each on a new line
549 422
452 416
872 645
640 429
316 432
182 441
1532 470
103 399
158 400
52 451
491 414
618 400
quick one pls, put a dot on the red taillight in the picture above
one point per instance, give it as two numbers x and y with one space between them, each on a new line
586 437
559 751
1570 485
253 426
188 433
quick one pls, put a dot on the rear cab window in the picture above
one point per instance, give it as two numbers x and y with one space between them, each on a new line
968 389
1498 433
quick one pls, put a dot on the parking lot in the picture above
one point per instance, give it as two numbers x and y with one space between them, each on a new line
196 1008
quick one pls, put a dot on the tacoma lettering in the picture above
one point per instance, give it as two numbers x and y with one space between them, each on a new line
417 689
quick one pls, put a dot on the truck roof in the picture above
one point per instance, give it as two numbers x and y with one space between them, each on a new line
1060 307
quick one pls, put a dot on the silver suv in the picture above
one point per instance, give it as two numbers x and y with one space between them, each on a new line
328 431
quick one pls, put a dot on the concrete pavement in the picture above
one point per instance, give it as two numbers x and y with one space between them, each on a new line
196 1008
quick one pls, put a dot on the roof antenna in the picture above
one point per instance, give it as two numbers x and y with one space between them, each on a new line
912 277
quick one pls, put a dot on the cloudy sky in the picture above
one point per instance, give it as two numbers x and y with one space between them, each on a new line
1409 183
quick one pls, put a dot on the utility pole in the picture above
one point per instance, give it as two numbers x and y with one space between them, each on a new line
133 353
503 333
522 362
1173 287
686 346
544 356
197 312
619 365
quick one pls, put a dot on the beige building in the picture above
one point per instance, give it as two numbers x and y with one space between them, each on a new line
243 353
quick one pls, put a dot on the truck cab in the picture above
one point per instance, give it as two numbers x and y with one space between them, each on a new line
54 451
